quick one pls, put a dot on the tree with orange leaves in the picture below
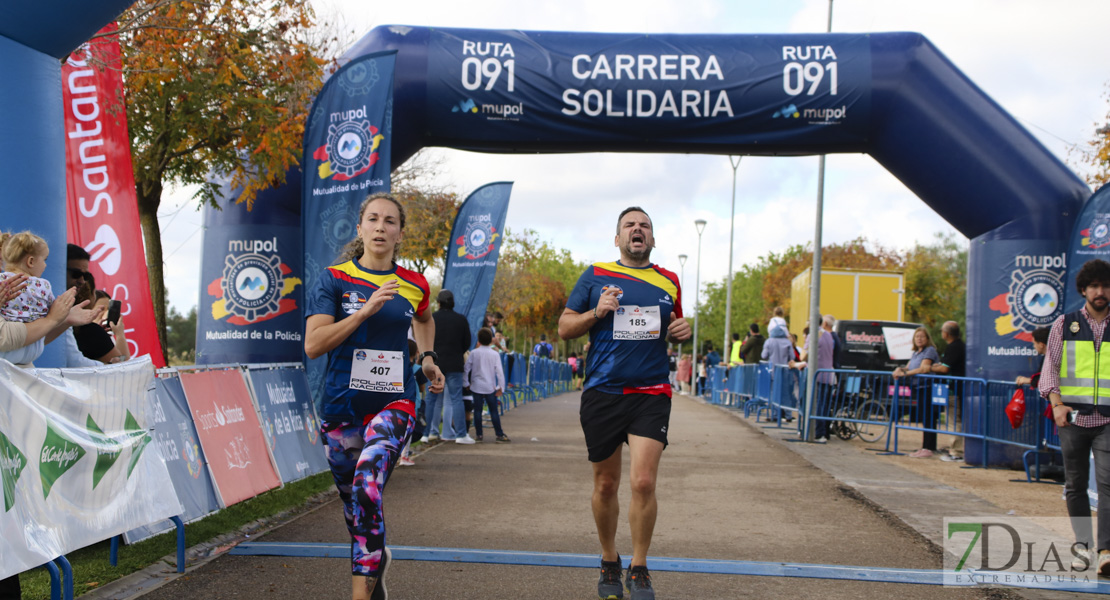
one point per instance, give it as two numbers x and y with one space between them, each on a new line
214 87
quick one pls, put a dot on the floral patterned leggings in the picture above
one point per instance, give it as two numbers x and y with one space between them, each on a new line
362 456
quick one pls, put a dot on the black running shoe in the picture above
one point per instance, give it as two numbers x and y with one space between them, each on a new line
380 593
639 584
609 584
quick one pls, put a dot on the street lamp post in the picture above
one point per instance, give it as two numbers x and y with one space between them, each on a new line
728 278
682 283
700 224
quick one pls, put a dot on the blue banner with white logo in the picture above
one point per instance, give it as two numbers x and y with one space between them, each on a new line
517 86
251 286
1089 240
475 246
346 158
288 421
175 436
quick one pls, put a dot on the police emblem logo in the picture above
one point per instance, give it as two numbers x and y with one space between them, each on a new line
350 147
1098 234
1034 298
613 286
1074 328
252 285
352 301
478 238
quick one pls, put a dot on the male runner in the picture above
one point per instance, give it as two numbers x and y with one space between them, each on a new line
631 308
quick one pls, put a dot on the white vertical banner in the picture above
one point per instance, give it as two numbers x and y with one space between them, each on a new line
76 461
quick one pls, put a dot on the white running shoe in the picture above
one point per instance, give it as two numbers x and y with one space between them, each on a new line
466 439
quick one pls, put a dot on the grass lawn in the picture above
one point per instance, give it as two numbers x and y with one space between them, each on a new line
90 565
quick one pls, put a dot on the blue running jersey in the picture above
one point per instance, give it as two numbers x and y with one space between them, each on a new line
637 364
341 291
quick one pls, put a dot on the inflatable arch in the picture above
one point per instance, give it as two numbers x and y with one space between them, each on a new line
894 96
34 39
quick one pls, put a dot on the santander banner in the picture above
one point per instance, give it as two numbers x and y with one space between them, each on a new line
100 188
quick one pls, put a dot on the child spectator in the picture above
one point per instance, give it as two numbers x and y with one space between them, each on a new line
486 379
25 253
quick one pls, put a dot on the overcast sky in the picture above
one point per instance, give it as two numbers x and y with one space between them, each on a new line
1044 62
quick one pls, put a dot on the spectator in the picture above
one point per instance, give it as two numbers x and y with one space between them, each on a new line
752 348
710 360
1040 346
452 341
24 255
734 351
543 349
92 340
486 379
921 361
952 365
825 389
794 343
421 424
778 350
574 363
684 372
117 329
672 364
1081 419
778 320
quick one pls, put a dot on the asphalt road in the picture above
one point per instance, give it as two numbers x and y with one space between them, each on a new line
725 491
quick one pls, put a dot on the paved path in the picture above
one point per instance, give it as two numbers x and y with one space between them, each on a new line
727 490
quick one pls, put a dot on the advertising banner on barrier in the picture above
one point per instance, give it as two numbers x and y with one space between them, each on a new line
251 277
475 246
519 87
230 434
75 460
103 214
346 158
289 421
175 436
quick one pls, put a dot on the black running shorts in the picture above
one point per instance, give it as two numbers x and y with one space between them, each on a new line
608 419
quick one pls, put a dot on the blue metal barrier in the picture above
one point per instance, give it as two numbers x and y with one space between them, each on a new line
936 404
788 388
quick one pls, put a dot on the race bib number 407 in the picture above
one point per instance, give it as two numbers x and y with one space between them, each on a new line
636 323
377 371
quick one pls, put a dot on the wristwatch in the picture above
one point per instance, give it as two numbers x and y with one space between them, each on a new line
435 358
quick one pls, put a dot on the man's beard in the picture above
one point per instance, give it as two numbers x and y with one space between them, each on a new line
640 255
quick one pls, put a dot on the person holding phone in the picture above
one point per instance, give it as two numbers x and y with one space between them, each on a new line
113 323
92 340
1080 398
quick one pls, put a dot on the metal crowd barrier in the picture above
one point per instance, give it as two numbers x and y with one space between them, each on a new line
873 404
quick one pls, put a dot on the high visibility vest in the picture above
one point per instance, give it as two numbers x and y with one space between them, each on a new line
1084 377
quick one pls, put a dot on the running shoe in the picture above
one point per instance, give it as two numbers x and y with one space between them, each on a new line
951 458
466 439
503 439
1104 563
638 583
609 584
405 461
379 592
922 453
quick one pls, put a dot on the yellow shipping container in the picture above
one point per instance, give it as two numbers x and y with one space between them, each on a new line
848 295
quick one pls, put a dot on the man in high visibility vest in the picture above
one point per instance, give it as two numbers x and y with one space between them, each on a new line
1077 384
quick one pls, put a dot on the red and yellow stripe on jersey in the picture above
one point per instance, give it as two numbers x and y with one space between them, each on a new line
414 287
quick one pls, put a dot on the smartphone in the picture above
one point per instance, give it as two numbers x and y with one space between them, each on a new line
1072 415
113 312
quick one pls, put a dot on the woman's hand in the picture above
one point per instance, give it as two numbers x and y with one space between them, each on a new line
900 372
11 287
434 375
378 299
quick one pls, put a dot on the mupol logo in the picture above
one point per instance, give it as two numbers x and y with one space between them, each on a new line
1033 297
1097 235
787 112
253 284
466 106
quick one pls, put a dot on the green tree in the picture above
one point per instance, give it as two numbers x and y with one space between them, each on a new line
1098 157
214 87
936 283
534 280
181 333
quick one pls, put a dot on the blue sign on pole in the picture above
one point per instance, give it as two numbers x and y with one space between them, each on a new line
346 158
475 246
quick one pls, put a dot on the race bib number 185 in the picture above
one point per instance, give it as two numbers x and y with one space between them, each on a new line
633 322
